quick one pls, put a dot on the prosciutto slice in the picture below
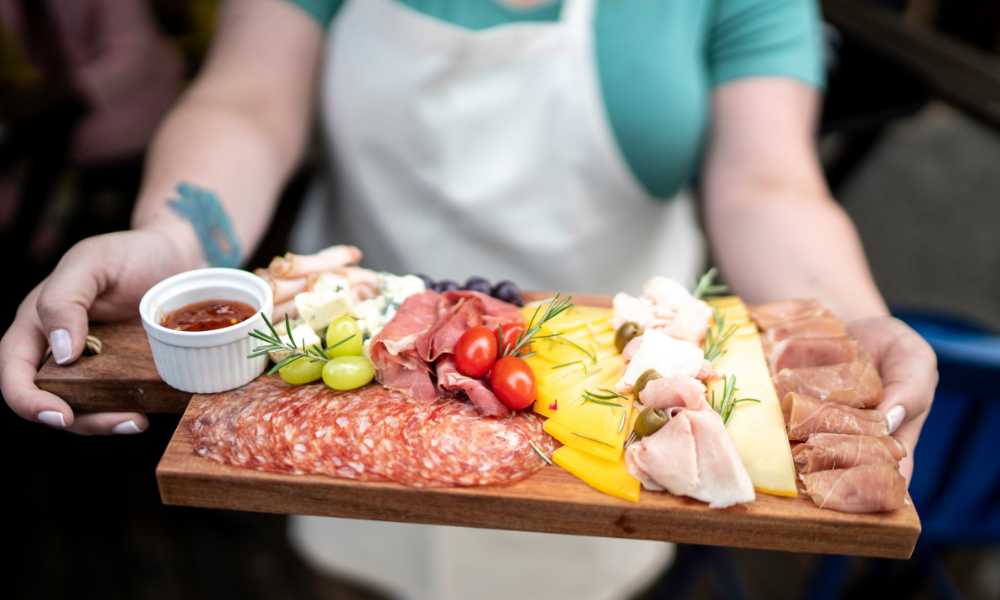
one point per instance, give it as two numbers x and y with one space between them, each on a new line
824 451
774 314
794 353
692 455
449 379
299 265
809 327
674 391
855 384
805 415
394 350
860 489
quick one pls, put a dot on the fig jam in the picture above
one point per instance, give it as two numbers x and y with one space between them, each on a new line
208 315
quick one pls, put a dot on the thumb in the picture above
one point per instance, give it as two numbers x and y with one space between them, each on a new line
63 303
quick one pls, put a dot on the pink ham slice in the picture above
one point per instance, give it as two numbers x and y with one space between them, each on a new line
449 379
824 451
806 415
672 391
855 384
465 310
774 314
692 455
809 327
394 350
794 353
860 489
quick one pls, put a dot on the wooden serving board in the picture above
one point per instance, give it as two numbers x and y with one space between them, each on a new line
550 501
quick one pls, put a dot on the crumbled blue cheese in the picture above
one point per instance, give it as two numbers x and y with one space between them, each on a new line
302 335
373 314
330 297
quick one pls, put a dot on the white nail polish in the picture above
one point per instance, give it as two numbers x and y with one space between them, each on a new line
61 344
895 417
52 418
126 428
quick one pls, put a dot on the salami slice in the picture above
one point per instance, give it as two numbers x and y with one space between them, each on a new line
372 434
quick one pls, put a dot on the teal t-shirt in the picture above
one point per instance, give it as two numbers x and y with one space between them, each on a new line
658 61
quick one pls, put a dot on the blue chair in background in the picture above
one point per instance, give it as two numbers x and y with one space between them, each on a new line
956 483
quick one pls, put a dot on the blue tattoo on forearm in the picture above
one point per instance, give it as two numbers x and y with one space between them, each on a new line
211 224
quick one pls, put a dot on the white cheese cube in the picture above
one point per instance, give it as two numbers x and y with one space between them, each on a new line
302 334
663 353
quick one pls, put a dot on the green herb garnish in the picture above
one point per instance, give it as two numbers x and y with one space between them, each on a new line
707 286
725 405
717 336
553 309
274 343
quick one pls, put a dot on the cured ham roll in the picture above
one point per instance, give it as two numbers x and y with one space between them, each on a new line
674 390
795 353
805 415
809 327
299 265
692 455
774 314
861 489
825 451
856 384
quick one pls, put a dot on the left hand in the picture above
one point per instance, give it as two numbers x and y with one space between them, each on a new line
908 367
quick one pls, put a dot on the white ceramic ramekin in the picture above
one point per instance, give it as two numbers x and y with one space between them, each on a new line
205 362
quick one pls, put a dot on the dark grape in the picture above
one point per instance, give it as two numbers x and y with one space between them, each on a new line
508 292
478 284
428 282
446 285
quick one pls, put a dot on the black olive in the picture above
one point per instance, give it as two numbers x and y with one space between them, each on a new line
478 284
508 292
447 285
626 333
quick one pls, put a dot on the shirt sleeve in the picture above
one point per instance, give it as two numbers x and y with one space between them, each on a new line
764 38
322 11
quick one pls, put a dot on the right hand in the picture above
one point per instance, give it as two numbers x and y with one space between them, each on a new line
100 278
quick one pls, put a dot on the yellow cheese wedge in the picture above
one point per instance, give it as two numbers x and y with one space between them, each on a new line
612 478
757 429
588 446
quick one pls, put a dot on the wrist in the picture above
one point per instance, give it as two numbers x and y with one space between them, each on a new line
179 239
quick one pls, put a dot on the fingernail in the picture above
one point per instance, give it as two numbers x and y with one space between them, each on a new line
61 344
126 428
895 417
52 418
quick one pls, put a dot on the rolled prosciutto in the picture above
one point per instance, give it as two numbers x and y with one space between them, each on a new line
796 353
860 489
299 265
774 314
809 327
805 415
855 384
692 455
825 451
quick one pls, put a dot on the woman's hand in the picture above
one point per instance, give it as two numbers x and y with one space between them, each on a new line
909 374
100 278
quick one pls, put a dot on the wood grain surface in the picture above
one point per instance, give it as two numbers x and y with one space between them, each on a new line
550 501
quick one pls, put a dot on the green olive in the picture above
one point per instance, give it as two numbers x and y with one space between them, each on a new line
650 421
647 376
626 333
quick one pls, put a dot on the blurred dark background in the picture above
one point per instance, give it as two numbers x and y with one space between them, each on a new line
911 147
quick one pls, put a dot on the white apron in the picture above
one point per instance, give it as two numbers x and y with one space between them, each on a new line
486 153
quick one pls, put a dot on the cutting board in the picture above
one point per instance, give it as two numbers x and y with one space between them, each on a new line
123 377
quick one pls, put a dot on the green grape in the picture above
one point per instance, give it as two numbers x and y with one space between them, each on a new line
301 371
340 329
348 372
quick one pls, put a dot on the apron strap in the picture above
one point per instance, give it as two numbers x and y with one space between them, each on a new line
577 12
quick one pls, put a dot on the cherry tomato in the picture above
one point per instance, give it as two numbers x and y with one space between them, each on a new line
475 352
510 335
513 382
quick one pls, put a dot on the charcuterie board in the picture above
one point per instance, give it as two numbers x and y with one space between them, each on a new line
123 377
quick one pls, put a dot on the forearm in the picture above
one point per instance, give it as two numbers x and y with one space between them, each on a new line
220 149
773 243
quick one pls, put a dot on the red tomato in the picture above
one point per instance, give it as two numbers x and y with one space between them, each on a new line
475 352
510 335
513 382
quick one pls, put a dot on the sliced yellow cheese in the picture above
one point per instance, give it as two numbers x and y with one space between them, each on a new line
757 429
609 477
589 446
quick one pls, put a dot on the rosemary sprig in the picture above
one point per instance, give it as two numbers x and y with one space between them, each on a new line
707 286
728 402
272 342
553 309
717 336
566 364
539 452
